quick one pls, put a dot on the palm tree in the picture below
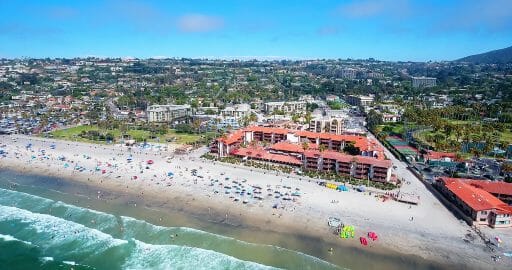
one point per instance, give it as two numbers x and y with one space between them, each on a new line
308 117
322 148
305 146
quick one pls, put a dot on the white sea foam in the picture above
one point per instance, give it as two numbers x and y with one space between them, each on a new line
214 241
54 232
46 259
8 238
146 256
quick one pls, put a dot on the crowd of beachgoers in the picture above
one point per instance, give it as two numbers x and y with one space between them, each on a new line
272 200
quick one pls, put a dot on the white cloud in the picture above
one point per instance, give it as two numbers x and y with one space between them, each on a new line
199 23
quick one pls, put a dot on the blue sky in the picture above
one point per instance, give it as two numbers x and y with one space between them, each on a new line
315 29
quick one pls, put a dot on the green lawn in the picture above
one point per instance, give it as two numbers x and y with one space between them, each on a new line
184 138
396 128
72 134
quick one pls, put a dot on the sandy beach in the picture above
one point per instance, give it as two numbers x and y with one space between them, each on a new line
427 230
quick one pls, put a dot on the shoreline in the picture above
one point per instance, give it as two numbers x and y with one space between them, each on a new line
303 219
245 229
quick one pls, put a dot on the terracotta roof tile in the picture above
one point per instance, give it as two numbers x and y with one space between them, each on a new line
476 198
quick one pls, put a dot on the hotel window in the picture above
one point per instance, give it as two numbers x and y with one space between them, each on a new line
484 212
483 219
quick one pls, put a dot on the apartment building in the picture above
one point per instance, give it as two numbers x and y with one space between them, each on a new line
328 125
476 203
418 82
168 113
287 107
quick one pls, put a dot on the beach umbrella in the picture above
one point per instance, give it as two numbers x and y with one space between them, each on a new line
170 174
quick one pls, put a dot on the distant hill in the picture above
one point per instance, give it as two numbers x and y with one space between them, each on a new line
501 56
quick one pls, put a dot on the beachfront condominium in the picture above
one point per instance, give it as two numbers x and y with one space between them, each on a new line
168 113
418 82
308 150
477 205
286 107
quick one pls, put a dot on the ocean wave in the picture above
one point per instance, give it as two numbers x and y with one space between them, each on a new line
150 233
46 259
57 234
23 200
102 221
147 256
8 238
68 231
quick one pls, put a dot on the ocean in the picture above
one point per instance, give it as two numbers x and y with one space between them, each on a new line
52 223
44 233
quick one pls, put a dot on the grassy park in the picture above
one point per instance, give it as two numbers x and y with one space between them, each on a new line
96 134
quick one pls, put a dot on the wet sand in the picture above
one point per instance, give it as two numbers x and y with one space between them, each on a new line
164 213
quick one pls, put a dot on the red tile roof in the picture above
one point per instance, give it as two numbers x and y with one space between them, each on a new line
269 129
348 158
288 147
439 155
476 198
260 153
363 143
233 137
492 187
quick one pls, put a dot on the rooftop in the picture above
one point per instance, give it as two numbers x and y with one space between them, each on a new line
476 198
260 153
496 187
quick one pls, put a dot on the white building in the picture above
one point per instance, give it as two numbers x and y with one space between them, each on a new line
287 107
423 82
391 118
168 113
327 125
363 101
237 111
